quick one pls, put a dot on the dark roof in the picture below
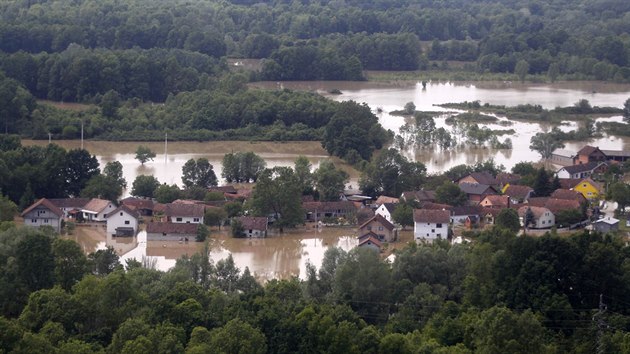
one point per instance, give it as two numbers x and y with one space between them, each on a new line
253 223
554 204
537 201
588 150
131 211
432 216
138 203
390 207
70 202
568 183
616 153
328 206
379 218
172 228
369 239
420 196
466 210
436 206
477 188
367 234
498 200
190 210
492 211
45 203
223 189
568 194
483 177
504 178
583 167
516 191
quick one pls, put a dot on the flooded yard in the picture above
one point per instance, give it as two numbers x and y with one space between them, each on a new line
279 256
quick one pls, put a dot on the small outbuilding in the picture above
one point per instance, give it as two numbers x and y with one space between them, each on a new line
607 224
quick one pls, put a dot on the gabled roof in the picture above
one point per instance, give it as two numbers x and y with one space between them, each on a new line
616 153
367 234
186 210
96 205
385 199
390 207
420 196
78 203
498 200
585 167
370 239
554 204
476 188
431 216
492 211
436 206
138 203
131 211
517 191
568 183
505 178
483 177
568 194
380 219
588 150
253 223
172 228
564 153
45 203
466 210
538 211
223 189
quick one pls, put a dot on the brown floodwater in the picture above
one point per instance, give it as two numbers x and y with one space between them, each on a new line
279 256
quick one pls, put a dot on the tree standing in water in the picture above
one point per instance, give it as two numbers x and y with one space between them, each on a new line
144 154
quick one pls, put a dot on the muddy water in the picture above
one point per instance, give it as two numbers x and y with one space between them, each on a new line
279 256
384 97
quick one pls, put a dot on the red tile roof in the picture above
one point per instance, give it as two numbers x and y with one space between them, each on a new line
379 218
172 228
253 223
138 203
131 211
517 191
45 203
370 239
497 200
431 216
189 210
568 194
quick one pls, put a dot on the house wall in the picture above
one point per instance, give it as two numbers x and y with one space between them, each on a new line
376 227
458 219
255 233
587 190
429 231
186 220
604 227
371 246
562 160
382 211
41 216
170 237
545 221
121 219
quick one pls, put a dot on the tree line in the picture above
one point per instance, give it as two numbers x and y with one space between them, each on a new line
501 293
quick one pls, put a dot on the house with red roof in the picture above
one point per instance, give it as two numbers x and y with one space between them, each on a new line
589 154
370 241
518 193
384 230
254 226
184 213
430 225
542 218
43 213
495 201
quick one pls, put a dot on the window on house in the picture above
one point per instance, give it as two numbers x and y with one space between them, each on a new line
584 185
250 231
179 219
121 213
126 222
439 226
427 234
45 221
33 220
196 219
380 228
439 235
432 230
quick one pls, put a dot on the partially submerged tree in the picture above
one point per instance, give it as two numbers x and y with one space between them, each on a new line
545 144
278 193
144 154
198 173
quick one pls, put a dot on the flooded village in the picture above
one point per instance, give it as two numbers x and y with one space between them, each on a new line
286 254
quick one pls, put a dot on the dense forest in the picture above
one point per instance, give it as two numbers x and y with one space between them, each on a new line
501 294
141 63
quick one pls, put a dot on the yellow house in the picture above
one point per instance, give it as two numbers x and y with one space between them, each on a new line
589 188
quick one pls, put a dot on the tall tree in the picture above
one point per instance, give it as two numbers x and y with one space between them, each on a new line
114 169
542 183
80 167
390 173
545 144
144 186
626 110
521 69
303 172
278 193
508 219
450 193
198 173
330 181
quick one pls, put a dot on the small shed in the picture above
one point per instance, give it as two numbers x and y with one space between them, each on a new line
607 224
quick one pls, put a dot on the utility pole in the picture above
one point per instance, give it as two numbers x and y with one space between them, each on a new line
49 138
598 318
81 134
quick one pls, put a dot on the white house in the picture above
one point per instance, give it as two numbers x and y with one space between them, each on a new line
254 226
123 221
543 218
43 213
97 209
582 170
386 210
429 225
184 213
